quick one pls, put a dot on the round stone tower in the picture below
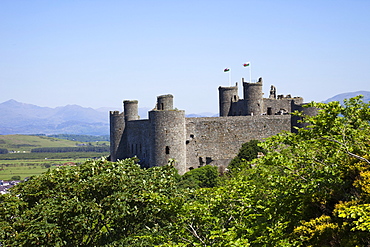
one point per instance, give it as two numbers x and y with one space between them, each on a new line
117 126
165 102
227 95
253 97
168 136
130 110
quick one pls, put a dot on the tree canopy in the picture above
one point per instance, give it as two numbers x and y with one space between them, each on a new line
98 203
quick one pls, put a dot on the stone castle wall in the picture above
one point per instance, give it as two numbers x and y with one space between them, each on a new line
138 138
220 138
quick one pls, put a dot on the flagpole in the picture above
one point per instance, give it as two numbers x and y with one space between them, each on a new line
229 72
248 64
230 78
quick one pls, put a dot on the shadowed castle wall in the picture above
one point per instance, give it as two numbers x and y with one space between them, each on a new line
138 141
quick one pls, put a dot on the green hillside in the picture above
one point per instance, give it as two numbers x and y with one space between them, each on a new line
28 142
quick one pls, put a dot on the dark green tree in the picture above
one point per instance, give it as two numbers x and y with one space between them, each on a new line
202 177
16 177
247 152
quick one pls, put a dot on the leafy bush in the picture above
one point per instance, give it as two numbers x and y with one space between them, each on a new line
99 203
247 152
203 177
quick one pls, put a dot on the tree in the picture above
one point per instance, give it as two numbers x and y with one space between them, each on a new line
317 173
247 152
96 204
202 177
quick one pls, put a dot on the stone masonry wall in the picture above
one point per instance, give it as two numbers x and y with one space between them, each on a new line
220 138
138 140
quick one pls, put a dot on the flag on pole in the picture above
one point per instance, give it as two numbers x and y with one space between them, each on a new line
247 64
226 70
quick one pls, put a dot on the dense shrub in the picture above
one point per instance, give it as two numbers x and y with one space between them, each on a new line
203 177
247 152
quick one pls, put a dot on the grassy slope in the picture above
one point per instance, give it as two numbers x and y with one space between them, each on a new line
22 171
28 164
26 143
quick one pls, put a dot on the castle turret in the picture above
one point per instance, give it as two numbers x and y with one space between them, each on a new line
168 134
117 126
165 102
227 95
253 97
130 109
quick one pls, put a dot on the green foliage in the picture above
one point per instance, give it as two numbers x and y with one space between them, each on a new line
96 204
247 152
202 177
3 151
16 178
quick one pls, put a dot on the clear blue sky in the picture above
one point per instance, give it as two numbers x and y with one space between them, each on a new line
98 53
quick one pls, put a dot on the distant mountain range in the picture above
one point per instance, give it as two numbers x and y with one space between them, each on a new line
22 118
342 96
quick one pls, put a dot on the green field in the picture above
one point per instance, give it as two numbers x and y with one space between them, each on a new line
30 167
25 164
23 171
24 143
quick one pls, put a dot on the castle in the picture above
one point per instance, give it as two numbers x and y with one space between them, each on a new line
195 142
